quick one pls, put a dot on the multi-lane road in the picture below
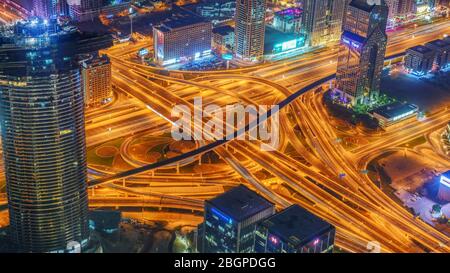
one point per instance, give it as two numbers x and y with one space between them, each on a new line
360 211
309 175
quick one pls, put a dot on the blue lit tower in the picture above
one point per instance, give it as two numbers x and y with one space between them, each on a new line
230 220
249 30
43 136
361 53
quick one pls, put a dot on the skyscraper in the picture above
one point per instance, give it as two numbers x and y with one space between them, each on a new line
400 8
96 74
43 137
44 8
230 220
361 52
322 20
249 30
50 8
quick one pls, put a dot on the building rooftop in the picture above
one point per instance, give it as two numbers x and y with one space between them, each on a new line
291 13
240 203
296 225
223 30
105 219
180 20
362 5
96 61
395 109
446 174
447 39
420 49
438 44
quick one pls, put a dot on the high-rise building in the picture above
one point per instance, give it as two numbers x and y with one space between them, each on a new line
87 10
400 8
182 37
230 220
294 230
45 8
419 60
96 74
50 8
322 20
249 30
43 137
361 52
405 7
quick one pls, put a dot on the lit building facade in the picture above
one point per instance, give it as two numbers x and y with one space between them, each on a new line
400 8
288 20
322 20
223 39
446 139
96 74
43 136
294 230
441 49
217 11
230 220
50 8
182 38
249 30
422 7
394 113
444 187
361 52
419 60
45 8
87 10
279 44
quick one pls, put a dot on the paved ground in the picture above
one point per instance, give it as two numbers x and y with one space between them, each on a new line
422 206
428 93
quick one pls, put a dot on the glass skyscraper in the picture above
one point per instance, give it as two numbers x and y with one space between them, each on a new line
43 135
322 20
361 53
249 30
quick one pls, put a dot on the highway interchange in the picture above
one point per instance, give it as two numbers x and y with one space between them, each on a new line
310 174
354 204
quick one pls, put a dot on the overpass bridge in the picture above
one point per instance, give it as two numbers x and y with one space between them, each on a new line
147 202
213 145
16 8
